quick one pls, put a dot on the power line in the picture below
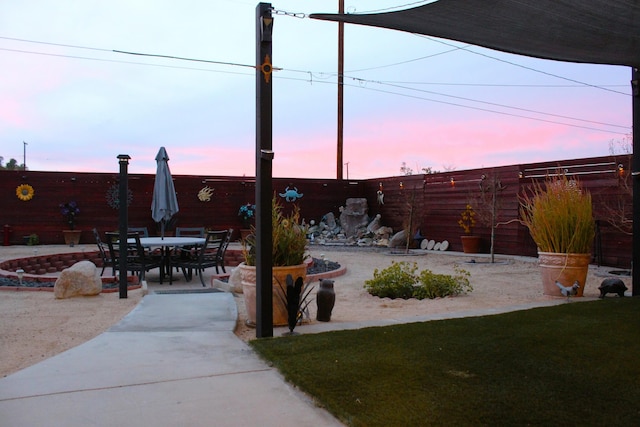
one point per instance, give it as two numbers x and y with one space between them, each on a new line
523 66
311 74
491 111
120 62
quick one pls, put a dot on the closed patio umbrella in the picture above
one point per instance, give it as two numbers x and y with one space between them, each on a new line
164 203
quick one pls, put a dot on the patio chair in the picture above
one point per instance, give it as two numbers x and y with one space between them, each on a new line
205 256
186 252
138 259
105 255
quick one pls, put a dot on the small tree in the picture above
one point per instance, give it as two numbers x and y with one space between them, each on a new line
488 205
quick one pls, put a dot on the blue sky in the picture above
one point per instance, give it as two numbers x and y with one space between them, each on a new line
408 98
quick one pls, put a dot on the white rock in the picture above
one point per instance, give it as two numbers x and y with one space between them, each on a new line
81 279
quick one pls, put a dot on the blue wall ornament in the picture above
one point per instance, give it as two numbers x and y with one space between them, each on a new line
291 195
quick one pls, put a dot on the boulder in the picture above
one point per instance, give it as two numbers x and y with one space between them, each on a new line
81 279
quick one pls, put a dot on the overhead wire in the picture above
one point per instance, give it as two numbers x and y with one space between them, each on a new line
318 78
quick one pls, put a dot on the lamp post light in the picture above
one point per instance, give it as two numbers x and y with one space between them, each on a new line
20 273
123 219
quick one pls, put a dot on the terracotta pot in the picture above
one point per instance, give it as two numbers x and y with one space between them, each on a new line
470 244
564 268
248 274
71 237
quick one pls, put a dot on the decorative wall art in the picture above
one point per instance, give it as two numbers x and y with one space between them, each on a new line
25 192
204 195
291 195
113 196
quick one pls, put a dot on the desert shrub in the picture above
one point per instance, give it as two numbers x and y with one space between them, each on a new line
432 285
395 281
401 281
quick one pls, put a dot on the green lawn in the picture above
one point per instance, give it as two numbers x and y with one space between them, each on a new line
573 364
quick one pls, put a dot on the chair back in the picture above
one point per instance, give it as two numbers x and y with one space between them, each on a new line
142 231
223 249
213 243
102 247
103 250
189 231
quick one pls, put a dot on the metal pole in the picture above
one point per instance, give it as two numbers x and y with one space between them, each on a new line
24 155
264 158
340 91
122 224
635 180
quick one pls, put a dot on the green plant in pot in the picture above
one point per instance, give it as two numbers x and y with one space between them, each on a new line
288 257
470 242
559 217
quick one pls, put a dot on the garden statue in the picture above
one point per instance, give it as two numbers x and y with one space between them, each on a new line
353 216
612 286
326 299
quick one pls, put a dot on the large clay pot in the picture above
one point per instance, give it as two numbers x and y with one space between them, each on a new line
564 268
248 275
470 244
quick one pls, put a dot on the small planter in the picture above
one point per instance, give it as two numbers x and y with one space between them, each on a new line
71 237
470 244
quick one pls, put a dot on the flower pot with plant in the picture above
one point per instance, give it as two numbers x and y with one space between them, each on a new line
560 220
470 242
288 257
70 211
247 214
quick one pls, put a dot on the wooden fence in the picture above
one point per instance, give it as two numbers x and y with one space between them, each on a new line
435 201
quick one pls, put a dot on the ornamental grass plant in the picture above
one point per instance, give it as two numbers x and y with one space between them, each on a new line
559 216
289 238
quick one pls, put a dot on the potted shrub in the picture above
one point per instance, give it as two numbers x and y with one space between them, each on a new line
69 211
560 220
467 221
247 214
288 255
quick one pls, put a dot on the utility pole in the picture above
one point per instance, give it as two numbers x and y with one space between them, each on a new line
24 155
340 89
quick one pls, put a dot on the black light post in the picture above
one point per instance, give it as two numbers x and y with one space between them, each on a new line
264 158
123 223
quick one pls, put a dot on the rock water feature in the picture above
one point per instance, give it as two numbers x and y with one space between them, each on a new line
353 228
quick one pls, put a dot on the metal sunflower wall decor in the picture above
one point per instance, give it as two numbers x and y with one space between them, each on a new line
113 196
25 192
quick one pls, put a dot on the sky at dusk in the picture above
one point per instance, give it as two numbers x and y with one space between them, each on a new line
423 101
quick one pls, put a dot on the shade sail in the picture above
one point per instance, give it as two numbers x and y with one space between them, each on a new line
591 31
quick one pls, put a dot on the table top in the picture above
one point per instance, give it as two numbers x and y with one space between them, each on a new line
171 241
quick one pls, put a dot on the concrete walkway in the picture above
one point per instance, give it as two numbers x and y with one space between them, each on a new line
173 361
